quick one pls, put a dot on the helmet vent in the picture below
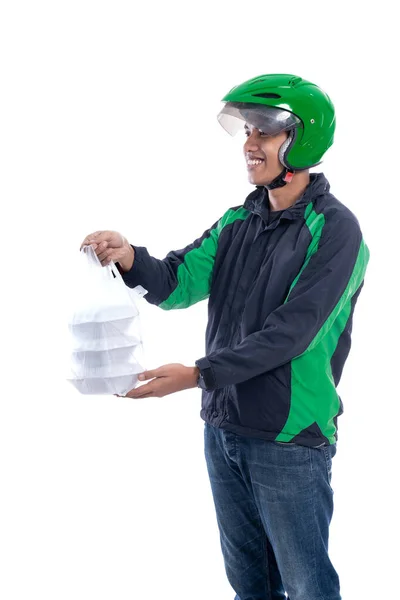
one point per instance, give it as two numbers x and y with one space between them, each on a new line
257 80
266 95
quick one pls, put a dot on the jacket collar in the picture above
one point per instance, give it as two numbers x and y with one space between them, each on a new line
258 201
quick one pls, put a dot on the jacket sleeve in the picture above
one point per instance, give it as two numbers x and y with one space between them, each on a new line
184 276
326 283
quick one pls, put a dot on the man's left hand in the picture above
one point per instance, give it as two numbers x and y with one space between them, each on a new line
166 380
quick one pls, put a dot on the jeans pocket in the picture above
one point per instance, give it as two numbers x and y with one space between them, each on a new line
329 453
285 443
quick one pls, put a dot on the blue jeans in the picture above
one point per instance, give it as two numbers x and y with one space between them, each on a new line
274 504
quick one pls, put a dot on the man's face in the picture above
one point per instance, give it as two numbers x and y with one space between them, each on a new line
261 153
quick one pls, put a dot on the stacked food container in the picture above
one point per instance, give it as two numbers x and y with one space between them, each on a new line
106 344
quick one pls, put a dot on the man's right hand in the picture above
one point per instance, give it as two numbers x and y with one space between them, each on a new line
111 246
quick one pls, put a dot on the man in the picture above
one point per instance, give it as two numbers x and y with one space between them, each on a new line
283 273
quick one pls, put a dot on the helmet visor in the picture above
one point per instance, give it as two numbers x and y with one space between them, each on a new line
268 119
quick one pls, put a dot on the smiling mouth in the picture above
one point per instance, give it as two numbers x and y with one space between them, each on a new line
254 163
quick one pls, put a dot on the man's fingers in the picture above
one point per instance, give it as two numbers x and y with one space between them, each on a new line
148 395
91 237
95 236
86 243
141 392
151 374
111 254
100 247
104 253
98 237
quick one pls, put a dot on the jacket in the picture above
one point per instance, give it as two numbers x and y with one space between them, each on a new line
281 298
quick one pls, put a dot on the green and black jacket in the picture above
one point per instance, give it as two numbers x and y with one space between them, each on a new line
281 298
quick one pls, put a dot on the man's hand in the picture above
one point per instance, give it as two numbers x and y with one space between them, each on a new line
111 246
166 380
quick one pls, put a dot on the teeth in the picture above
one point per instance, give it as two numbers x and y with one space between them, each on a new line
254 162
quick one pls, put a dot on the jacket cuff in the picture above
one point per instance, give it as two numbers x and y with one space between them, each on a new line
207 373
133 276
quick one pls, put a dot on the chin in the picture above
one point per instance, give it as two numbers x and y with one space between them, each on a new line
254 180
261 178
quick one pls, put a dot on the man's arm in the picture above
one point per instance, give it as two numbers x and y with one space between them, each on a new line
324 286
184 276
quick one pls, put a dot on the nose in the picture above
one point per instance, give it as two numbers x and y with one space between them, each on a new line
251 144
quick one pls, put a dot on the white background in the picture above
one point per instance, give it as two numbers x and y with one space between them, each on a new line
108 121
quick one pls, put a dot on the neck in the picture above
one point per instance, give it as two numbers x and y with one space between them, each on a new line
282 198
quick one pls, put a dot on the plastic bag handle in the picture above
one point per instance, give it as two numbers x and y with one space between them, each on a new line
116 272
94 260
90 255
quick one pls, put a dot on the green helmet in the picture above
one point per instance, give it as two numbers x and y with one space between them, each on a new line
276 103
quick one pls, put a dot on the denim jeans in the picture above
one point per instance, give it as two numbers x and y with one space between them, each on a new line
274 505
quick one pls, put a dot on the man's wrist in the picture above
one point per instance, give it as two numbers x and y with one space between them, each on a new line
196 375
207 378
126 264
200 383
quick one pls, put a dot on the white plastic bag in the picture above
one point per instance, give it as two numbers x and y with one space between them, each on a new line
106 343
100 297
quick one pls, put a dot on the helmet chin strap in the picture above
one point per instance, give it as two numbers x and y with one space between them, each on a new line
283 178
